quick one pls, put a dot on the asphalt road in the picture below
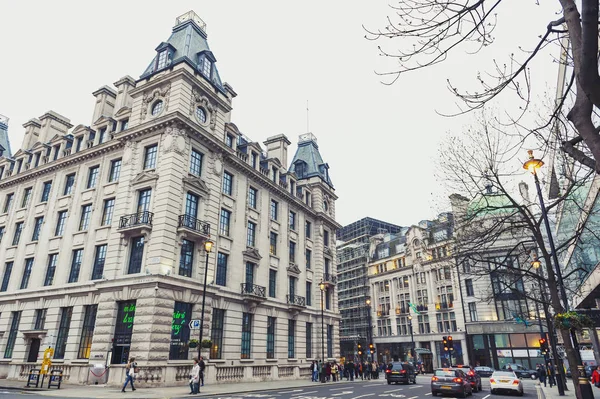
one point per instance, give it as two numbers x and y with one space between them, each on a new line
373 389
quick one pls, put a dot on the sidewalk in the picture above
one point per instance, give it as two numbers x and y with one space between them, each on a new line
552 393
106 392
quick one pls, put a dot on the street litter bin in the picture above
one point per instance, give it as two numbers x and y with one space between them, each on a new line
98 374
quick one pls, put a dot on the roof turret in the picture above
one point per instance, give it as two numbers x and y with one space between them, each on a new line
188 44
308 162
4 142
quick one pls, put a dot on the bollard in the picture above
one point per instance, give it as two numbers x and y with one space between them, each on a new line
584 384
34 375
55 378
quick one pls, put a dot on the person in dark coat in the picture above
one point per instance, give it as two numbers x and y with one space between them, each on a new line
541 374
550 373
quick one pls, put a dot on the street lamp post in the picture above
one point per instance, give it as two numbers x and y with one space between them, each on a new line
536 265
370 327
207 248
322 287
412 339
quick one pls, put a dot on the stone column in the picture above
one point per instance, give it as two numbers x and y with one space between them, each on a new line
152 327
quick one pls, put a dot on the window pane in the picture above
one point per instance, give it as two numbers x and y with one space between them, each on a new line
136 255
186 260
87 332
196 163
150 156
180 331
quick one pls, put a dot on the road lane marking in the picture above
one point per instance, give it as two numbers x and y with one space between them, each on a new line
362 396
303 393
413 397
374 385
427 394
393 390
293 390
342 393
485 397
337 389
416 386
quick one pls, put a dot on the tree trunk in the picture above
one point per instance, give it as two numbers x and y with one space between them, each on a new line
573 358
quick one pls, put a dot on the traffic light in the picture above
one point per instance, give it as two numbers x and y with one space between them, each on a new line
543 346
371 346
450 343
445 342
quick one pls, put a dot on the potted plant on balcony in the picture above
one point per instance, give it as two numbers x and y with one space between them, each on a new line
573 320
193 343
206 343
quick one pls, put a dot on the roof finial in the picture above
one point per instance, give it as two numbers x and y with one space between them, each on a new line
307 120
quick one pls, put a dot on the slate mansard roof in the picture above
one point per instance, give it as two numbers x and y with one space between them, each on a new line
307 161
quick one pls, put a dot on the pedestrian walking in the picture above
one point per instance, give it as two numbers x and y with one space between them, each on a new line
202 368
351 370
328 371
334 371
541 373
550 374
130 370
195 378
596 377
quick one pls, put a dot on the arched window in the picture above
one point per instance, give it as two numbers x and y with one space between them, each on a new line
157 107
201 114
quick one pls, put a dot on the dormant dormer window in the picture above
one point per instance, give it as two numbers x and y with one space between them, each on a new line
206 59
163 57
206 67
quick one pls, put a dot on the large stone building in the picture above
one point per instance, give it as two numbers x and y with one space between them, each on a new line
104 229
415 295
353 289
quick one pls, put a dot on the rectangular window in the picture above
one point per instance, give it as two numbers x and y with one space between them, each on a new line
473 311
292 220
308 293
292 252
86 214
227 183
107 211
196 163
251 236
271 337
102 135
308 340
216 333
78 143
273 243
274 209
93 173
26 197
327 299
186 259
51 270
46 191
123 332
330 340
224 222
26 273
191 207
8 202
12 335
60 223
63 332
252 197
291 339
221 278
87 332
40 319
75 265
150 156
124 124
326 238
272 282
99 259
37 228
69 183
308 229
144 197
180 331
2 231
246 336
253 160
136 256
6 277
18 231
115 170
308 259
469 287
228 138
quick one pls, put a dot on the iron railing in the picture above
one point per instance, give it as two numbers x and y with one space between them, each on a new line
194 224
329 278
253 289
296 300
136 219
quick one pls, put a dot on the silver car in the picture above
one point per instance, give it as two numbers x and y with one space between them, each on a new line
506 381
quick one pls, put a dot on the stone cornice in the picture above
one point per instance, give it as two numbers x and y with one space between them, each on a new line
62 163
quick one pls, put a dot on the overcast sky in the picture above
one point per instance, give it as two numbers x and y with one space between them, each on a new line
381 142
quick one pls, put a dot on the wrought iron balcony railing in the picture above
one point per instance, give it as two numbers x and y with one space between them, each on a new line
296 300
136 219
253 289
329 278
194 224
444 305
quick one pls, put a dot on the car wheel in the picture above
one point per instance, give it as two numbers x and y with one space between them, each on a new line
464 394
493 391
520 393
389 382
433 393
480 389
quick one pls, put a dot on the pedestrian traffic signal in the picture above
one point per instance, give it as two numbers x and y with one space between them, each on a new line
445 343
543 346
450 343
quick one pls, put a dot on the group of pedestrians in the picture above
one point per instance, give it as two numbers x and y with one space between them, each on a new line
333 371
546 374
197 375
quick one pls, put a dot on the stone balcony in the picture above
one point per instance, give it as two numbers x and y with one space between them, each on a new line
136 223
193 227
253 292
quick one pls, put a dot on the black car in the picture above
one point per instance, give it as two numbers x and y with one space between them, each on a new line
449 381
484 371
520 371
472 376
400 372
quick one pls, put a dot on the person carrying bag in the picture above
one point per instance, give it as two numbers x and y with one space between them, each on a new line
195 378
130 371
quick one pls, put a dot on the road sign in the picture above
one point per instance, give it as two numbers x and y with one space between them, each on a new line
195 324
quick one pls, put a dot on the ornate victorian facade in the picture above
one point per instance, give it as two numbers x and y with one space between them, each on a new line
103 229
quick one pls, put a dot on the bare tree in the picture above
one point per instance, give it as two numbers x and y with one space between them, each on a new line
429 30
499 228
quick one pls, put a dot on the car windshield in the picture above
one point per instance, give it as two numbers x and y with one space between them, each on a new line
444 373
504 374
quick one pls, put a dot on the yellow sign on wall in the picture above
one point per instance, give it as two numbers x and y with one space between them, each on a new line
47 362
